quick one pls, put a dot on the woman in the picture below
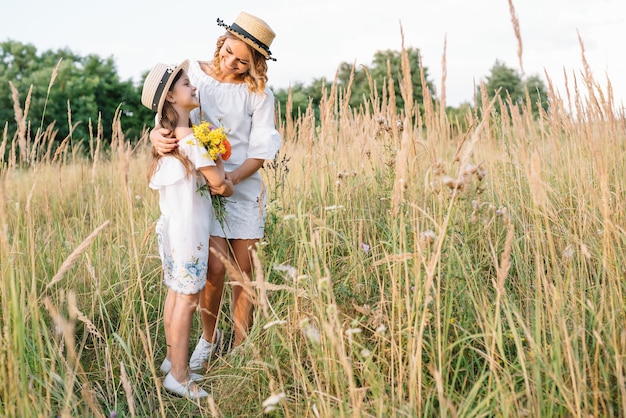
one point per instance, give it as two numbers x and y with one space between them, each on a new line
233 94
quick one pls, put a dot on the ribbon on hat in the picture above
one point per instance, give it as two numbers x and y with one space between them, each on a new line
235 27
159 91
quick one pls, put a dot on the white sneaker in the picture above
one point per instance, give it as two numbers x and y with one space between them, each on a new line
171 385
166 366
203 352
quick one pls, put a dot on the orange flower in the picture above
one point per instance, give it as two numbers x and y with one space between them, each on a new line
229 149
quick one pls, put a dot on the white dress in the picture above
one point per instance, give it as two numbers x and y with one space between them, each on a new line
186 216
249 120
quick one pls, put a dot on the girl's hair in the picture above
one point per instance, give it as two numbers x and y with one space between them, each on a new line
256 77
169 120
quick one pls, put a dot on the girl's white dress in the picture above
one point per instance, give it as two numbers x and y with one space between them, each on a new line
186 216
249 120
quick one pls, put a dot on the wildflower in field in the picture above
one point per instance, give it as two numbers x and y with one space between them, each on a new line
310 331
365 352
215 141
270 403
363 310
290 271
568 252
481 173
453 184
271 324
352 331
365 247
381 329
584 250
428 237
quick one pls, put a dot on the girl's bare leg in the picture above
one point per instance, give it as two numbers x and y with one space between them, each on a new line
180 329
168 308
211 295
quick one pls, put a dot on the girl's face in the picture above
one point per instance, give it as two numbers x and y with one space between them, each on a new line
183 93
235 58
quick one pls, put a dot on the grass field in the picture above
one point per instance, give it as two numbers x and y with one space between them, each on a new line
410 268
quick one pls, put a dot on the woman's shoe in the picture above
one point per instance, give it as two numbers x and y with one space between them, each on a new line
171 385
203 351
166 366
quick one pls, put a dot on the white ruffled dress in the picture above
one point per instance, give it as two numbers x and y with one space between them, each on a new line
183 228
249 120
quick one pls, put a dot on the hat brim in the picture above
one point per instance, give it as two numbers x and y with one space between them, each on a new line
184 66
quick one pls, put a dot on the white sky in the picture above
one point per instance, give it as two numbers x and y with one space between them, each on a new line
315 36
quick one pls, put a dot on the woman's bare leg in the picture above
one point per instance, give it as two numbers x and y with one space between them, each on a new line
242 305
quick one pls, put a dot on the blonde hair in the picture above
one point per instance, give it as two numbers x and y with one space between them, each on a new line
256 77
169 120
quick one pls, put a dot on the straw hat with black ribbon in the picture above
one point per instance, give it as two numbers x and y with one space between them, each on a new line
253 31
157 84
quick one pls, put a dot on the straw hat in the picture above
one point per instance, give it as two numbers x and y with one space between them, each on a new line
253 31
157 84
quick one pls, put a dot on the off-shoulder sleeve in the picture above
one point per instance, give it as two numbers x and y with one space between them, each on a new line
169 171
265 140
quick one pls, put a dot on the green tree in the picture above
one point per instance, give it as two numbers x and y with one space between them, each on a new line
360 87
508 83
89 86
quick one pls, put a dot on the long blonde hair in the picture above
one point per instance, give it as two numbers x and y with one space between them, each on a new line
256 77
169 120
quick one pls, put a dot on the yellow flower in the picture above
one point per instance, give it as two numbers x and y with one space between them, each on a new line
213 139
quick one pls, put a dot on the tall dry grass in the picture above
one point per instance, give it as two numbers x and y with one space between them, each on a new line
409 268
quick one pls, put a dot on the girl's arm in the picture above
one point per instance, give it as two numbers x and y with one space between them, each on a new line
215 176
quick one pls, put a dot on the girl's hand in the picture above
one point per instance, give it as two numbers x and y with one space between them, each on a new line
161 143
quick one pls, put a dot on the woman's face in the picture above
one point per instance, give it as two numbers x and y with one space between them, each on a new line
235 57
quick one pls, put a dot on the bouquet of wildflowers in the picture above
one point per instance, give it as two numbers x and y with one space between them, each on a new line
215 141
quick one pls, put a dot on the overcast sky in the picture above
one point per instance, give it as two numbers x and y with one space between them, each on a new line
315 36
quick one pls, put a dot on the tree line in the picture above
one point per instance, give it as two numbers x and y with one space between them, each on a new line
85 90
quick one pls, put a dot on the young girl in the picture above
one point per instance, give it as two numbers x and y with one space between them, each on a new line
186 215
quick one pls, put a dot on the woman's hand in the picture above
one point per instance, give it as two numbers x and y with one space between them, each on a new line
245 170
225 189
161 143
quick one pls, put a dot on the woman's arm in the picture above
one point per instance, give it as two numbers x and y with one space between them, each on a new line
245 170
161 143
